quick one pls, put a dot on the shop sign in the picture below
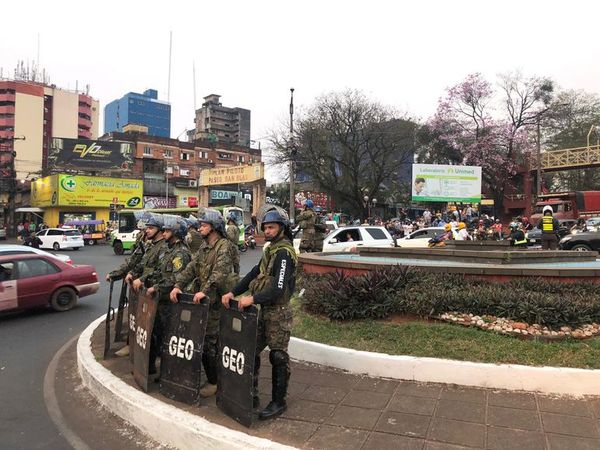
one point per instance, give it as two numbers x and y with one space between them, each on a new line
232 175
159 202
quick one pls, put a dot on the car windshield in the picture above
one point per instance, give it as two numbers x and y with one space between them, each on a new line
72 233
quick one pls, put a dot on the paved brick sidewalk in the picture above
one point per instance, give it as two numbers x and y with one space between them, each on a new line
330 409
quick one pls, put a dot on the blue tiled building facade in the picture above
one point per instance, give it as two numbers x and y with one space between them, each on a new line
139 109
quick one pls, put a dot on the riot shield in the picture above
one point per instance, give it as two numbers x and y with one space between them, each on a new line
237 349
119 324
181 357
131 312
144 324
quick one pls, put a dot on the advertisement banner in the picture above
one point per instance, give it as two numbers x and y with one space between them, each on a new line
77 190
187 201
232 175
320 199
159 202
223 195
44 192
89 154
443 183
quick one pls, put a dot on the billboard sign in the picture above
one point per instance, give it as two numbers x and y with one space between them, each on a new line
232 175
320 199
443 183
90 154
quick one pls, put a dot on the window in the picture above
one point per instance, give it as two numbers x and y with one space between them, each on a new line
35 268
240 159
168 153
169 169
421 234
348 235
224 156
7 271
73 233
184 172
185 156
147 150
55 233
204 155
42 233
376 233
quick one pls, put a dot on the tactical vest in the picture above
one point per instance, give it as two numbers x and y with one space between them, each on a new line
154 253
547 224
264 278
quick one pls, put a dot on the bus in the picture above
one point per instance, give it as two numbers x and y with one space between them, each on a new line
123 238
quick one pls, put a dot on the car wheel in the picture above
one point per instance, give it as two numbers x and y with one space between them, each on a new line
581 248
76 248
118 248
56 246
91 242
63 299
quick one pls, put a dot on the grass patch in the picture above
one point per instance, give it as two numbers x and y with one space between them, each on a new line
444 341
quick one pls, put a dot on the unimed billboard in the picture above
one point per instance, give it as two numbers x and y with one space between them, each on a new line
90 154
443 183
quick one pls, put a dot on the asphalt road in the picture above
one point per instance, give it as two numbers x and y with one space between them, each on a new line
29 340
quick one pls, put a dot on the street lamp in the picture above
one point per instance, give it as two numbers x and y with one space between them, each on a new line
368 203
292 157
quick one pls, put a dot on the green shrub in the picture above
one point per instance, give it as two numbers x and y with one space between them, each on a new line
404 290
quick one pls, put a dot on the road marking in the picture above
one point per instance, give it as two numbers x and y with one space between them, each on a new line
52 402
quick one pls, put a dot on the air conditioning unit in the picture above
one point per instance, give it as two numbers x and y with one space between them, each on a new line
193 183
210 161
176 167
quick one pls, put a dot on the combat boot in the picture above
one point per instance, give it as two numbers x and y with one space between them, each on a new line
277 406
123 352
210 369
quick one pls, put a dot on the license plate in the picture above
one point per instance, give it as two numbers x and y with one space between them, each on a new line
532 240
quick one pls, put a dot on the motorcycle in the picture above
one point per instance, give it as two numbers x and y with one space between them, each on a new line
250 242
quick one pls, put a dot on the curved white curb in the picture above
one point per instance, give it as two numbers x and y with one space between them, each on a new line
164 423
550 380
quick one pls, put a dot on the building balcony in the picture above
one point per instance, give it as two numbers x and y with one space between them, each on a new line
7 122
8 97
7 109
84 134
83 122
4 134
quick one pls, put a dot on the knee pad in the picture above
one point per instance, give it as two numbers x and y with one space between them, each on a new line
278 357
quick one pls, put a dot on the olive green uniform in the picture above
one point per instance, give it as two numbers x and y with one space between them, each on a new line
233 234
211 272
306 222
138 250
194 240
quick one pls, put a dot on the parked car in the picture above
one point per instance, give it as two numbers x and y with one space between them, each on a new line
420 238
61 238
7 249
347 238
28 281
583 242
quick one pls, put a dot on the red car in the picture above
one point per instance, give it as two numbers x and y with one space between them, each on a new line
31 280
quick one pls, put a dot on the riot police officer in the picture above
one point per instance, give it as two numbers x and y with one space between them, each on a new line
193 238
137 252
306 222
271 284
233 234
207 276
175 259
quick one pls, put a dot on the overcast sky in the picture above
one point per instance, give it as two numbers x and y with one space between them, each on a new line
251 52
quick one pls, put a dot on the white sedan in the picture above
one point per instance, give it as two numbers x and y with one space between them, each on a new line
347 238
24 249
420 238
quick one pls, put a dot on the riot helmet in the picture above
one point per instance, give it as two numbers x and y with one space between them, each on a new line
275 214
547 209
141 218
231 217
176 224
309 203
192 222
214 218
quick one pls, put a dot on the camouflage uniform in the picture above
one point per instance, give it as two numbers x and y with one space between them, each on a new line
210 271
233 235
144 270
272 283
193 240
176 258
306 222
138 250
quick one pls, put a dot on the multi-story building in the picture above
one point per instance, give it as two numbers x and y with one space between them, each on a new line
219 123
32 113
170 168
139 109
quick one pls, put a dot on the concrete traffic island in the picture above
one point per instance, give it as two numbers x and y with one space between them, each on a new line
330 409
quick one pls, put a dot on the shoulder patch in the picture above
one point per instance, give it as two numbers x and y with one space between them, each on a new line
177 263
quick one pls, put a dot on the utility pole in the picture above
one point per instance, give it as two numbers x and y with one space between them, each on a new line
12 183
292 157
538 189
